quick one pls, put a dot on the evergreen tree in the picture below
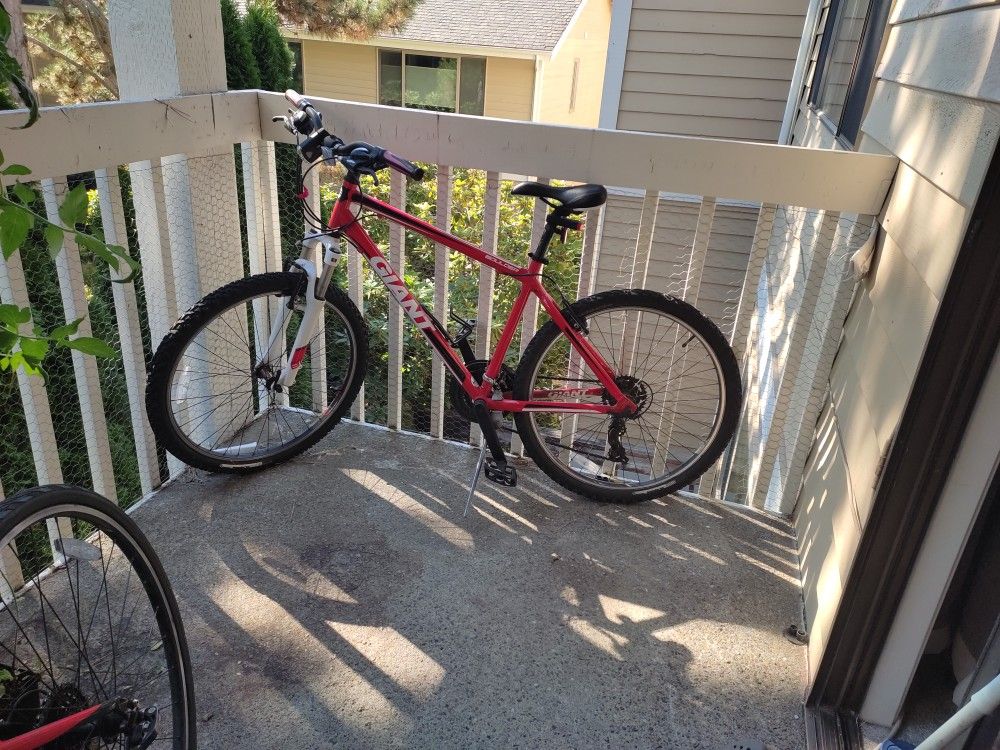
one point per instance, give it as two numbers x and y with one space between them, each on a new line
241 65
352 18
274 58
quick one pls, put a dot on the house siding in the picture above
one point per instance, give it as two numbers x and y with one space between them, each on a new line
703 68
350 71
340 71
510 86
585 43
936 105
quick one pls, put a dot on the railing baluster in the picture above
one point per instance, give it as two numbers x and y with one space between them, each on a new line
317 349
356 291
442 220
529 322
397 258
755 266
585 286
88 383
11 575
760 479
487 279
692 287
34 398
129 330
154 247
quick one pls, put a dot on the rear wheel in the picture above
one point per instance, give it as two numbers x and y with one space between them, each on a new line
88 618
212 396
669 359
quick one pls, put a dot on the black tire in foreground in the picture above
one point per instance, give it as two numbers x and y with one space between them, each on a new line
89 617
211 366
679 369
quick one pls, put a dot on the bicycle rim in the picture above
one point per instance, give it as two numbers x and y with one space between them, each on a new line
222 401
665 366
84 621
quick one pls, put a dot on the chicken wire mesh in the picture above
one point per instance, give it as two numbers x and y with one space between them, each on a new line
181 216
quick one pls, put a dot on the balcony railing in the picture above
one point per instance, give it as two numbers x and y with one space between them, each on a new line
758 236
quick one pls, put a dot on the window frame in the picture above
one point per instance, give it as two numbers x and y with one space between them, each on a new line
402 73
862 78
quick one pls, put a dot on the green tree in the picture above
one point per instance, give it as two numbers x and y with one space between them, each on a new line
353 18
241 64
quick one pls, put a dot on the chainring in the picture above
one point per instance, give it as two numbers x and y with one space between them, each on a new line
460 400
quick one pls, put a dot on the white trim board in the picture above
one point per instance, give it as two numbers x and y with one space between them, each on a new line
614 68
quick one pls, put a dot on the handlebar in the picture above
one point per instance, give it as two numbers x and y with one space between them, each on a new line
308 121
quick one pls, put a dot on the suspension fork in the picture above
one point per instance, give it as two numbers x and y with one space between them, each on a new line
315 294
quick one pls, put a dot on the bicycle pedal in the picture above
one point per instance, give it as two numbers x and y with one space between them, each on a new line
505 475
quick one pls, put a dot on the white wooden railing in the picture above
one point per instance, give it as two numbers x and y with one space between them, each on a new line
757 235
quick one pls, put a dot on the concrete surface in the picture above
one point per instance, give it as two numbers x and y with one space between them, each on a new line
342 600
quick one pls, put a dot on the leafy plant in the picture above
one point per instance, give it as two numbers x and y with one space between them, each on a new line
24 345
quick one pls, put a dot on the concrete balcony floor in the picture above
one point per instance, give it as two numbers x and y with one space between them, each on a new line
342 600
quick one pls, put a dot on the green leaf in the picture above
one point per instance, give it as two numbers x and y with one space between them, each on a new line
4 25
34 348
90 345
67 330
7 341
13 316
54 238
98 248
73 210
16 169
25 194
15 223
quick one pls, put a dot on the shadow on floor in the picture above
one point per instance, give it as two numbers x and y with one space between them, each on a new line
342 600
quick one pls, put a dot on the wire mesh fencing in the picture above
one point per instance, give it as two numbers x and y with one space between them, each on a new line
774 279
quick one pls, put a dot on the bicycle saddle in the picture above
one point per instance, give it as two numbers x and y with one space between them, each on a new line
575 198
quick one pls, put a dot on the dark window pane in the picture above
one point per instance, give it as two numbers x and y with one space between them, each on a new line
430 82
390 78
297 78
843 53
472 86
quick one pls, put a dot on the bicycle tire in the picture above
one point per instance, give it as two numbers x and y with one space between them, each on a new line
629 299
214 306
50 505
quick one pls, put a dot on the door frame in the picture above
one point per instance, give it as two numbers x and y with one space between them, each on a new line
957 359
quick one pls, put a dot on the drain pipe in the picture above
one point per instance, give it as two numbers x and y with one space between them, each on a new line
982 703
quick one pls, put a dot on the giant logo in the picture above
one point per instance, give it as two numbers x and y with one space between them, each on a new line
398 290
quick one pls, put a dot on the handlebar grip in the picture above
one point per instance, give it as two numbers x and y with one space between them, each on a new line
402 165
294 97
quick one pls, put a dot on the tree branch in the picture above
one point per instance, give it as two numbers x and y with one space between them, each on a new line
109 85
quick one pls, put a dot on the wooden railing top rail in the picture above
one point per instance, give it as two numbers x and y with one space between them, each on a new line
90 136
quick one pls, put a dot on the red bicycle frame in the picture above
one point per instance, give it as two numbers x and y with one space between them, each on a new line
343 219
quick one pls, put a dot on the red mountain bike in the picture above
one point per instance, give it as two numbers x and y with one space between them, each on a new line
622 396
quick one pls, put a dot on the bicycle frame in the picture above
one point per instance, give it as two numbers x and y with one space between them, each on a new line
343 222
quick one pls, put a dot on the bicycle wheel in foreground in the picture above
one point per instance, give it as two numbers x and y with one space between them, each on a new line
669 359
88 619
212 396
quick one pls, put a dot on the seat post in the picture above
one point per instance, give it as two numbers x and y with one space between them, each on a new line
545 240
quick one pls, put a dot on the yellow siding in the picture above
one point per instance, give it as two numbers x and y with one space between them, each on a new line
340 71
933 105
586 42
509 88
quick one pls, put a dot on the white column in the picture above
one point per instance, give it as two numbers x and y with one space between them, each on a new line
88 384
487 280
397 258
442 221
129 333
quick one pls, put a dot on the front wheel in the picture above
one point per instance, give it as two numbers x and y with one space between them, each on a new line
669 359
212 396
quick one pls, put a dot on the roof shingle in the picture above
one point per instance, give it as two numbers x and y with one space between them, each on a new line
533 25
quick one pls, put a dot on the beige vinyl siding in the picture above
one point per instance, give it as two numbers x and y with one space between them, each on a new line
935 105
340 71
673 236
710 69
510 85
584 45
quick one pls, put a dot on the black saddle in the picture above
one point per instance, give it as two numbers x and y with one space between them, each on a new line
576 198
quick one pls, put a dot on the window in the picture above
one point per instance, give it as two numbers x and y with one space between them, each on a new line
441 84
298 82
846 63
